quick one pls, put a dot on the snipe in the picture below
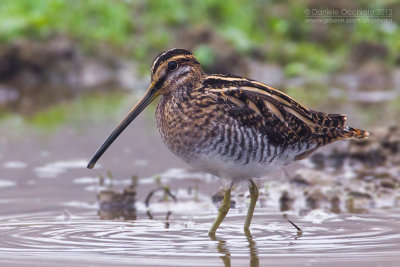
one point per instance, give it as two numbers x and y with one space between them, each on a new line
233 127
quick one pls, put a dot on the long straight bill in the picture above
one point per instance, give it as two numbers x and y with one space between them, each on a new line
133 113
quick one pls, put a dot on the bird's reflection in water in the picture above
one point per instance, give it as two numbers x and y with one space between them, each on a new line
222 249
254 260
226 255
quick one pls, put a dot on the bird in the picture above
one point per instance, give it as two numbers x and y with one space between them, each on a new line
233 127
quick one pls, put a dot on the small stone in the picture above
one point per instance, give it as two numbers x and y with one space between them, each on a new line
359 195
105 196
285 201
315 199
299 180
335 204
310 177
218 197
318 159
358 202
388 183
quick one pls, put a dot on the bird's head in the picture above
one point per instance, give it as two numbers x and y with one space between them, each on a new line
173 68
170 70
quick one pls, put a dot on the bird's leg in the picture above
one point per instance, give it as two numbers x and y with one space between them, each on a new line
222 211
253 189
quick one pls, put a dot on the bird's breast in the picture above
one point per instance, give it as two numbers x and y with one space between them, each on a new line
184 126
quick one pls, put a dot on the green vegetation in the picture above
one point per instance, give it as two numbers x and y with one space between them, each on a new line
78 112
141 29
313 95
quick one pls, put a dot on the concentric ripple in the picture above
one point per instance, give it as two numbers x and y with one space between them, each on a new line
85 238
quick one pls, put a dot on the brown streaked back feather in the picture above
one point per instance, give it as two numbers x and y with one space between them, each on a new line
284 120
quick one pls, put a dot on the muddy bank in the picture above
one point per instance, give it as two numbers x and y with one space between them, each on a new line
36 74
354 178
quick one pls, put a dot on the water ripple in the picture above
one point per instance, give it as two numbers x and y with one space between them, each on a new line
97 240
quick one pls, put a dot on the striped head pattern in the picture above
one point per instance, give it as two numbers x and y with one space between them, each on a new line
174 68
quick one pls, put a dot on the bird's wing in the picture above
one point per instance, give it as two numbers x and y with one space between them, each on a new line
281 118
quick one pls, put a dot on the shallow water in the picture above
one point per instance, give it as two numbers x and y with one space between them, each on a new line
50 212
83 238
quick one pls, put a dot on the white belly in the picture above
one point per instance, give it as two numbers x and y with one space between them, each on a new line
229 168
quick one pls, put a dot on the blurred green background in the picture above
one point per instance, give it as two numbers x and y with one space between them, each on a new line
57 50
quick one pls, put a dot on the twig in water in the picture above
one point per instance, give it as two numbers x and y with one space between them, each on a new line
166 191
299 231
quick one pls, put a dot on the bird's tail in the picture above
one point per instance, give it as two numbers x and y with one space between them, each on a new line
350 132
332 129
336 123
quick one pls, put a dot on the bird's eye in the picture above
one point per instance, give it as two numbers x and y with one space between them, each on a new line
172 65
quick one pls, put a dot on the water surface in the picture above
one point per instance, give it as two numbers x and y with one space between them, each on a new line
50 212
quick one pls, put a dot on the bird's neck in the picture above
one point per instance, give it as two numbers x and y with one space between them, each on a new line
184 89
